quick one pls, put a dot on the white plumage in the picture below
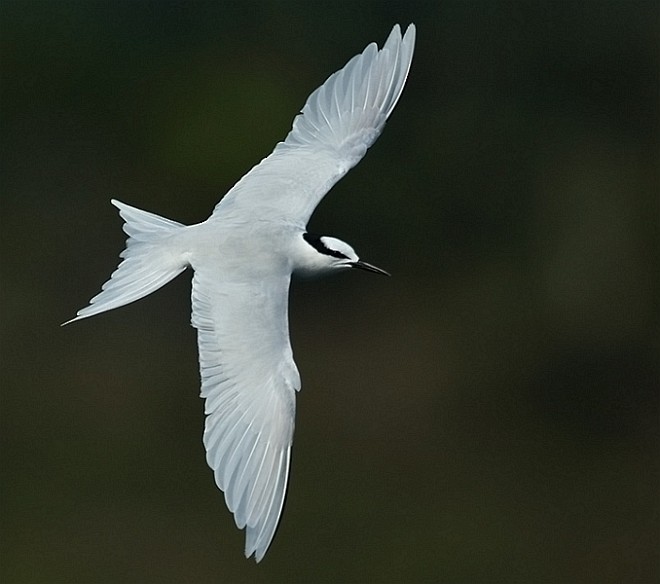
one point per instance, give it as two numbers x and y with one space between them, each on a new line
243 256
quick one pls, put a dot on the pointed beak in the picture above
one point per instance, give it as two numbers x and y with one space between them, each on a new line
369 268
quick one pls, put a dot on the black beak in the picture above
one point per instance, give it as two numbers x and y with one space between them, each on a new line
369 268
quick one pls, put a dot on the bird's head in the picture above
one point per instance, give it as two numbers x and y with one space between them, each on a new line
322 254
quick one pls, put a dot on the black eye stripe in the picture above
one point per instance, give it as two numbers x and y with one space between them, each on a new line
318 245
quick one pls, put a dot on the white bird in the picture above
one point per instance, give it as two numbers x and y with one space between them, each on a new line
243 257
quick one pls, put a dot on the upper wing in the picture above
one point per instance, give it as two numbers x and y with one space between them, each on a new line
339 121
249 381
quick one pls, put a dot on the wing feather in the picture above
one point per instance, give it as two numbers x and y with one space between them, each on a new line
339 122
249 382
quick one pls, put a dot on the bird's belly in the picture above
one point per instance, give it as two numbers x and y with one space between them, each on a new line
249 250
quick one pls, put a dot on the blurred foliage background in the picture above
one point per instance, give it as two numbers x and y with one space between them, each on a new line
489 414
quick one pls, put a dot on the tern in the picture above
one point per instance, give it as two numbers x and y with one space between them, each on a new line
243 257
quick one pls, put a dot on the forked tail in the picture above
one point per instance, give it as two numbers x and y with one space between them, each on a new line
151 259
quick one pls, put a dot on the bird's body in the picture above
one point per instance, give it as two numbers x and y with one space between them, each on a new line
243 257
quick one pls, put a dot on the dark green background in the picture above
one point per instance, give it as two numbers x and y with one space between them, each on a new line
489 414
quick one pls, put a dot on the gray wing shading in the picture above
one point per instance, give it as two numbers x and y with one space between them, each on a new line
249 380
339 121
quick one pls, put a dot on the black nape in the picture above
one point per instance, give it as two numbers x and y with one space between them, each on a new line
316 242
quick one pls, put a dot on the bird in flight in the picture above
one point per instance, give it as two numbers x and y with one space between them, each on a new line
243 257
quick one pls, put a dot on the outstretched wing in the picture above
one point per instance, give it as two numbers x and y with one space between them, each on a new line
249 380
340 120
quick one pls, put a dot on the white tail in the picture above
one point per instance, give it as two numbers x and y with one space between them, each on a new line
151 259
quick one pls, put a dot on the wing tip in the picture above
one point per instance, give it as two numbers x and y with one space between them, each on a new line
405 37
